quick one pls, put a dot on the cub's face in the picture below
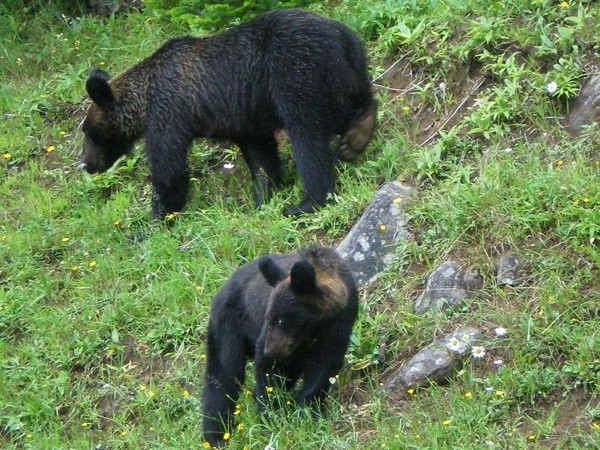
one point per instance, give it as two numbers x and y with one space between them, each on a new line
103 144
287 324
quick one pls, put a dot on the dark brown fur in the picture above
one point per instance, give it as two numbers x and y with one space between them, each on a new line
294 315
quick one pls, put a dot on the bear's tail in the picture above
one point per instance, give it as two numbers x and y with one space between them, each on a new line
353 142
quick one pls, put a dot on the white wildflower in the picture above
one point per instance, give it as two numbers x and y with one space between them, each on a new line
552 87
478 352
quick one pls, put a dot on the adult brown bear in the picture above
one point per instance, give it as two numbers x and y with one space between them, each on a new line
285 69
293 314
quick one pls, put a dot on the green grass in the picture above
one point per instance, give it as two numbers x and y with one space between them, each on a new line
102 337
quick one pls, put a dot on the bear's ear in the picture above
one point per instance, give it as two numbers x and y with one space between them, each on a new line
271 271
98 88
303 278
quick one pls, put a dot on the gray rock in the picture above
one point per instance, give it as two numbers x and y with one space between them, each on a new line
370 244
436 363
448 285
586 107
508 270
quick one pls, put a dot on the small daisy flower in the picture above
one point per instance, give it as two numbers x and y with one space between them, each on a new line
552 87
478 352
454 344
500 331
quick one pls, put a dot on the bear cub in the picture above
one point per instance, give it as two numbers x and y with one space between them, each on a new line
293 314
285 69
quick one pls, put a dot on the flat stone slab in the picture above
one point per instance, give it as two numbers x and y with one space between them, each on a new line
435 363
448 285
586 107
370 245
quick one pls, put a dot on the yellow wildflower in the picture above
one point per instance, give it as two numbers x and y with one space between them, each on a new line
447 422
92 263
185 393
170 216
560 162
150 394
205 445
406 108
595 426
226 436
410 391
269 389
65 239
382 227
564 5
85 424
62 133
6 155
50 149
585 199
468 395
499 393
123 433
143 387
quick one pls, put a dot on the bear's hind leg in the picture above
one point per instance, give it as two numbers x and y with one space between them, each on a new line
314 160
262 158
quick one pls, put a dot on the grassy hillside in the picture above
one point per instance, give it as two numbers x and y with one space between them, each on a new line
102 338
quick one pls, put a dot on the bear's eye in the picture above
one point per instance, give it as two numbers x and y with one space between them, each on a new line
280 322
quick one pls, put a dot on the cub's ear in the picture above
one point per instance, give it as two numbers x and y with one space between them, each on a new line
303 278
271 271
98 88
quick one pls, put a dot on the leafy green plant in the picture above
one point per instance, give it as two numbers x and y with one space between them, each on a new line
212 15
